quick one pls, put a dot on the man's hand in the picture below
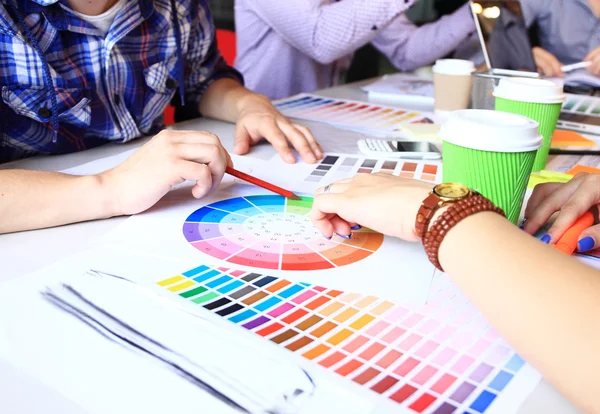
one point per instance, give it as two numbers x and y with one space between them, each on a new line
594 57
547 64
259 119
168 159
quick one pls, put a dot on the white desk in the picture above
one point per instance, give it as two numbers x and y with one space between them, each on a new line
26 252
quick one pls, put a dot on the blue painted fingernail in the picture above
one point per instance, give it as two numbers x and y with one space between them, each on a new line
585 244
522 226
328 238
348 237
546 239
357 227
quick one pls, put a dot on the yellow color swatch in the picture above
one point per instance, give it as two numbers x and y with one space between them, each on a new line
345 315
182 286
362 322
170 281
340 337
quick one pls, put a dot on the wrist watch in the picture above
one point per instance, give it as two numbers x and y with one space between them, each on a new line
442 195
463 203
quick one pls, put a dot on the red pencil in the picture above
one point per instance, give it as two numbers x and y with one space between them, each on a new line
261 183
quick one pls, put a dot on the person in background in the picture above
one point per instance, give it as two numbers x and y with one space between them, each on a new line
554 298
568 31
294 46
76 74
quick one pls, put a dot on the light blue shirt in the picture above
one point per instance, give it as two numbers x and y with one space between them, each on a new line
568 28
285 47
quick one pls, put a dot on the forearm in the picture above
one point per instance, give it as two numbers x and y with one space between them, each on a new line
329 32
36 199
409 47
224 100
544 303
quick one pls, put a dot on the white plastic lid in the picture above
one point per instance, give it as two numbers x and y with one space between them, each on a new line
453 67
530 90
493 131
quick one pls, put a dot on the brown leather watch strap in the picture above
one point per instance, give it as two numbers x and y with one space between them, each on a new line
466 207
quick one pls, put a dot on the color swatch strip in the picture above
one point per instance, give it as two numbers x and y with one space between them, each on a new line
348 114
581 108
336 167
438 358
272 232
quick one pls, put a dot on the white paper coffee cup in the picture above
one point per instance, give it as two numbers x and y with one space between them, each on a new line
452 84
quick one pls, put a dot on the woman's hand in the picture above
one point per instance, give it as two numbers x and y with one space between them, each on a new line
381 202
571 200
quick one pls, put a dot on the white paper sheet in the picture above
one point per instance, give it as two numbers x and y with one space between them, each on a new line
103 376
401 88
333 139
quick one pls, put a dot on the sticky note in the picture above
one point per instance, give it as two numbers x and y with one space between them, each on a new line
564 139
583 168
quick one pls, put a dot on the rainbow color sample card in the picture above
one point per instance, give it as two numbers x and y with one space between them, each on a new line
349 114
438 358
272 232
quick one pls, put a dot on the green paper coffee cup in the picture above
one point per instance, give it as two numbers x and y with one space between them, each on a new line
491 152
538 99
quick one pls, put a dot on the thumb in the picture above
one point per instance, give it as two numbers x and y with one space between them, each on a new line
241 140
589 239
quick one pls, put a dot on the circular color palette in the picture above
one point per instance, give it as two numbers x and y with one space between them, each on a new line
272 232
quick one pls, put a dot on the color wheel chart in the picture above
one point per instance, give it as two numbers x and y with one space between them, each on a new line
348 114
335 167
439 358
272 232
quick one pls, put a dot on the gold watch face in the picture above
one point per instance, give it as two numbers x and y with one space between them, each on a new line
451 190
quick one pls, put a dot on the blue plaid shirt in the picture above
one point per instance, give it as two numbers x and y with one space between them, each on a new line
97 88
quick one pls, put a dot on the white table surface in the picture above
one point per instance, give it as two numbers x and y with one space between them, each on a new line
20 393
